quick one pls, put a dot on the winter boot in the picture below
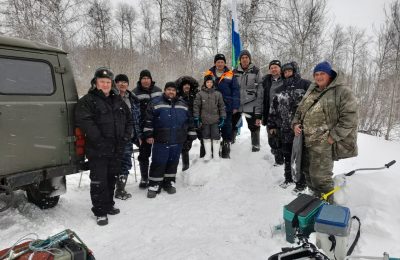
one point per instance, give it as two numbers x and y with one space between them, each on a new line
216 144
153 191
144 171
120 192
102 220
278 158
202 150
285 184
255 141
226 149
300 187
169 187
208 148
185 160
113 211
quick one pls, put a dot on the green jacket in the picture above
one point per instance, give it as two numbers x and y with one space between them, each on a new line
340 109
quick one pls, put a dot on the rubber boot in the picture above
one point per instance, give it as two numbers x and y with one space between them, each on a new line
216 145
185 160
226 149
202 150
255 141
208 149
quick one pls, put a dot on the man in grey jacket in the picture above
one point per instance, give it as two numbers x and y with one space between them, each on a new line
251 97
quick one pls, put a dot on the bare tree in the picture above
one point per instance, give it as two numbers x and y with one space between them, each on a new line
100 22
337 46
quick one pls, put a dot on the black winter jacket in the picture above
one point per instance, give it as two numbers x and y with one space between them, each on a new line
284 106
106 122
145 96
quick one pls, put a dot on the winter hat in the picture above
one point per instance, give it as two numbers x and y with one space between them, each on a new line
324 67
219 56
121 77
145 73
288 66
245 52
274 62
208 77
103 72
170 84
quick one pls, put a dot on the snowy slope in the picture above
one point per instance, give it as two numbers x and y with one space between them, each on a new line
229 217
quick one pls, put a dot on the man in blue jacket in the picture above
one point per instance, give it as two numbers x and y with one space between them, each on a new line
167 126
228 85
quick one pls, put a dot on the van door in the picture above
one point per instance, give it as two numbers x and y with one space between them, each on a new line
33 118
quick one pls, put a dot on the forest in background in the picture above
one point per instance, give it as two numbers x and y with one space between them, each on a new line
172 38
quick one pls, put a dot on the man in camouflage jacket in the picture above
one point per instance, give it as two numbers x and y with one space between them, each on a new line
328 117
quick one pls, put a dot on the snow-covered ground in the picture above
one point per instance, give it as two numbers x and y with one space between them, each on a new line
229 217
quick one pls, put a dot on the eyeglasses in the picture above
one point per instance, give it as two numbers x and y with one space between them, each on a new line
122 83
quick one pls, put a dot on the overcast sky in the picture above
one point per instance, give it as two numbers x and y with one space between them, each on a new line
360 13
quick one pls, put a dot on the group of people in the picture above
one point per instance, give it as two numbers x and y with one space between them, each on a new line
164 124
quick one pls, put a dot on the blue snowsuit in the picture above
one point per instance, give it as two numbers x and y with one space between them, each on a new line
169 122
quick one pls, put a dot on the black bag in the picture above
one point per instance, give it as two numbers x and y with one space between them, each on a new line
306 251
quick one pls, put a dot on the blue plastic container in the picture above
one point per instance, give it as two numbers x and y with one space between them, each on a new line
333 220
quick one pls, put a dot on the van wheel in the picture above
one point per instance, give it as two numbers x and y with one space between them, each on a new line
40 199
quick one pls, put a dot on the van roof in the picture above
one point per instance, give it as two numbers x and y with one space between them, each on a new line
27 44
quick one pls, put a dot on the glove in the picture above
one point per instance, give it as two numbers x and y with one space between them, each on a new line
221 122
197 122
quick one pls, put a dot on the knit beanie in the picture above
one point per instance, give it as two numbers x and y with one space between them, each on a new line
170 84
145 73
219 56
121 77
245 52
324 67
274 62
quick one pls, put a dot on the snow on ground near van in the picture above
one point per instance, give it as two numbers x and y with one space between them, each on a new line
229 217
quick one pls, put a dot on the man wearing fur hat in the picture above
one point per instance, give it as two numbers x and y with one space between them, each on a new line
167 126
328 118
188 87
145 91
251 98
106 121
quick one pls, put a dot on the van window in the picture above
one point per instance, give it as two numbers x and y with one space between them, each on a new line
25 77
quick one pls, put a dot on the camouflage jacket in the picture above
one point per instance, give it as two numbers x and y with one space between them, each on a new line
335 115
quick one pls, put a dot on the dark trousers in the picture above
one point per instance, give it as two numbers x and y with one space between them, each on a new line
251 122
275 143
226 130
164 163
287 157
103 172
210 132
143 158
126 163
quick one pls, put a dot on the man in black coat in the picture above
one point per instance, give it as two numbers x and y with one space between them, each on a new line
106 121
145 91
282 111
271 82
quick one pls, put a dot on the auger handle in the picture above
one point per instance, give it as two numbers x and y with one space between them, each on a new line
390 163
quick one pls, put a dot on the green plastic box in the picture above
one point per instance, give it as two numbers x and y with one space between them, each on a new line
306 207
